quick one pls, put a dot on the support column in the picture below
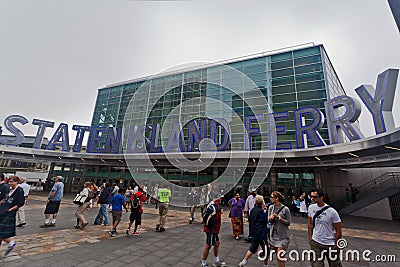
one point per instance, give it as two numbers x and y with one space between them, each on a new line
318 181
273 177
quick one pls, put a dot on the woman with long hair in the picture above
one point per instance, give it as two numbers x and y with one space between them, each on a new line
237 205
279 217
81 222
8 211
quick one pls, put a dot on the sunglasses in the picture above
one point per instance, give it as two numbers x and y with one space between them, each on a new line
314 196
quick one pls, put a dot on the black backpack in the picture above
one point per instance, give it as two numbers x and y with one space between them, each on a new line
209 215
105 196
135 203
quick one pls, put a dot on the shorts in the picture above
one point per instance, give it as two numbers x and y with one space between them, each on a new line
116 215
211 239
255 243
52 207
137 217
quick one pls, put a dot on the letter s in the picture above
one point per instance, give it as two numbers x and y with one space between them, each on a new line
9 125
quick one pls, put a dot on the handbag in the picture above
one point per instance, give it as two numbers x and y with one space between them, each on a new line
79 199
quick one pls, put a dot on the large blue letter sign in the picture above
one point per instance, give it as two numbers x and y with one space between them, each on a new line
311 129
381 104
352 109
9 125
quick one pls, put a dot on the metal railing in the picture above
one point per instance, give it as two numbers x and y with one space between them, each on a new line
386 180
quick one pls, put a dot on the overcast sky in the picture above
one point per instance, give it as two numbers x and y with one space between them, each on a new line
54 55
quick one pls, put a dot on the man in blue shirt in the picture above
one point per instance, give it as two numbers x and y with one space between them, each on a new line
117 201
53 202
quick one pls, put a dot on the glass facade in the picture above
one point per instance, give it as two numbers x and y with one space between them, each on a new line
281 82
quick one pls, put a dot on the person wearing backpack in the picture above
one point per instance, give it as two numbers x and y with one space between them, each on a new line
212 225
86 191
136 201
324 231
104 200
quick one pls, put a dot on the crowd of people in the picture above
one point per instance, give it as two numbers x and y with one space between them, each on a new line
268 221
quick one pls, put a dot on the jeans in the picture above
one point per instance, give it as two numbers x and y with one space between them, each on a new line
102 212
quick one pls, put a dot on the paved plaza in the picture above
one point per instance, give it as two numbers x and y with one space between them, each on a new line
180 245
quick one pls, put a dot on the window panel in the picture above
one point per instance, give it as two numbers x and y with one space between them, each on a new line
312 95
282 64
281 73
316 76
281 57
307 60
283 81
284 98
307 51
283 89
308 68
310 86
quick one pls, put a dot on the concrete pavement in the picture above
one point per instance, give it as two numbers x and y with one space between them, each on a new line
180 245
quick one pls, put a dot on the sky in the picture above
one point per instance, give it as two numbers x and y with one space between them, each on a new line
54 54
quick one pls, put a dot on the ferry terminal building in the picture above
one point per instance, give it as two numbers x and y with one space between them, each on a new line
245 106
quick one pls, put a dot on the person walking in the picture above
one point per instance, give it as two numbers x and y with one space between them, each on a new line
8 210
80 210
104 201
164 195
117 201
4 187
324 230
136 200
279 218
128 194
53 202
212 224
236 214
21 211
303 206
192 201
258 221
250 201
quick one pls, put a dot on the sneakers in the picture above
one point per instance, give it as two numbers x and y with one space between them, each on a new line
162 229
204 265
219 264
136 233
127 232
111 233
237 237
10 248
241 264
157 228
190 220
44 225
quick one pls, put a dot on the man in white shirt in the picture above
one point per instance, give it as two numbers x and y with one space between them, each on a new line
324 230
21 211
